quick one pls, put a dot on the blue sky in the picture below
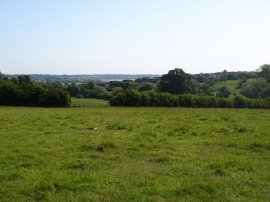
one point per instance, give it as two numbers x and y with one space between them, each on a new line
133 36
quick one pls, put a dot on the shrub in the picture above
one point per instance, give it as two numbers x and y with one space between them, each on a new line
239 102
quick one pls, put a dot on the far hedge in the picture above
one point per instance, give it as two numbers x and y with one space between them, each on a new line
151 99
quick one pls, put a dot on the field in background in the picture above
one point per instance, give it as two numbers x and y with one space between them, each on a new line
134 154
230 84
89 102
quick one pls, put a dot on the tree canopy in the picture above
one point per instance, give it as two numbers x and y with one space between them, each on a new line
176 82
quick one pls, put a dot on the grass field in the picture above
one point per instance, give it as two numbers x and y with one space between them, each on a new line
84 102
134 154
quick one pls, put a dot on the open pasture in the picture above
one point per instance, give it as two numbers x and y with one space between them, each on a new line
134 154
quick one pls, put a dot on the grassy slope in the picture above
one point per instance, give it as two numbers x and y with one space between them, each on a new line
231 84
156 154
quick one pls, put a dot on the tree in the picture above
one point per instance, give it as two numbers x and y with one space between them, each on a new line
223 92
208 88
1 76
254 89
223 75
24 79
90 85
176 82
239 102
100 92
147 87
73 89
133 98
265 72
27 93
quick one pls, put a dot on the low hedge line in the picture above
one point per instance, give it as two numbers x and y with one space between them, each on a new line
154 99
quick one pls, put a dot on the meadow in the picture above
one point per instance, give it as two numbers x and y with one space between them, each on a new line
231 85
134 154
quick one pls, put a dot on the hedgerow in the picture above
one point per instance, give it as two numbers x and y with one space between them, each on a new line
151 99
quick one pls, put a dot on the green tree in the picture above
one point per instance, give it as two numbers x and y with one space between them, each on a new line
176 82
208 88
223 75
265 72
147 87
24 79
239 102
223 92
133 98
73 89
90 85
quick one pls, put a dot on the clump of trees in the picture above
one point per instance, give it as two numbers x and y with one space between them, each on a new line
22 91
88 90
258 88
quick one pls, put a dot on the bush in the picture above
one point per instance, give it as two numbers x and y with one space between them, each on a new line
185 101
225 102
133 98
239 102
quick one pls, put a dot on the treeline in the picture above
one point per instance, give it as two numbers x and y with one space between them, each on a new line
255 85
155 99
105 90
224 76
22 91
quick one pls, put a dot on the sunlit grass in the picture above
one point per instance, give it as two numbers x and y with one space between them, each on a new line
134 154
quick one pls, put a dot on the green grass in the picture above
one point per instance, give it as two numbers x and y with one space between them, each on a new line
88 102
230 84
134 154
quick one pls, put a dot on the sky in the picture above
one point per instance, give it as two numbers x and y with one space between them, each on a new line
133 36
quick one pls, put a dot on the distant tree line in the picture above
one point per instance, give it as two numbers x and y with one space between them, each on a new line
224 76
177 88
22 91
176 84
105 90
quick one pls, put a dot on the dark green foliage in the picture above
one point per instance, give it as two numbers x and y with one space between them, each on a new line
207 88
73 89
239 102
147 87
255 89
176 82
88 90
151 98
223 92
125 84
133 98
259 88
24 92
224 76
265 72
